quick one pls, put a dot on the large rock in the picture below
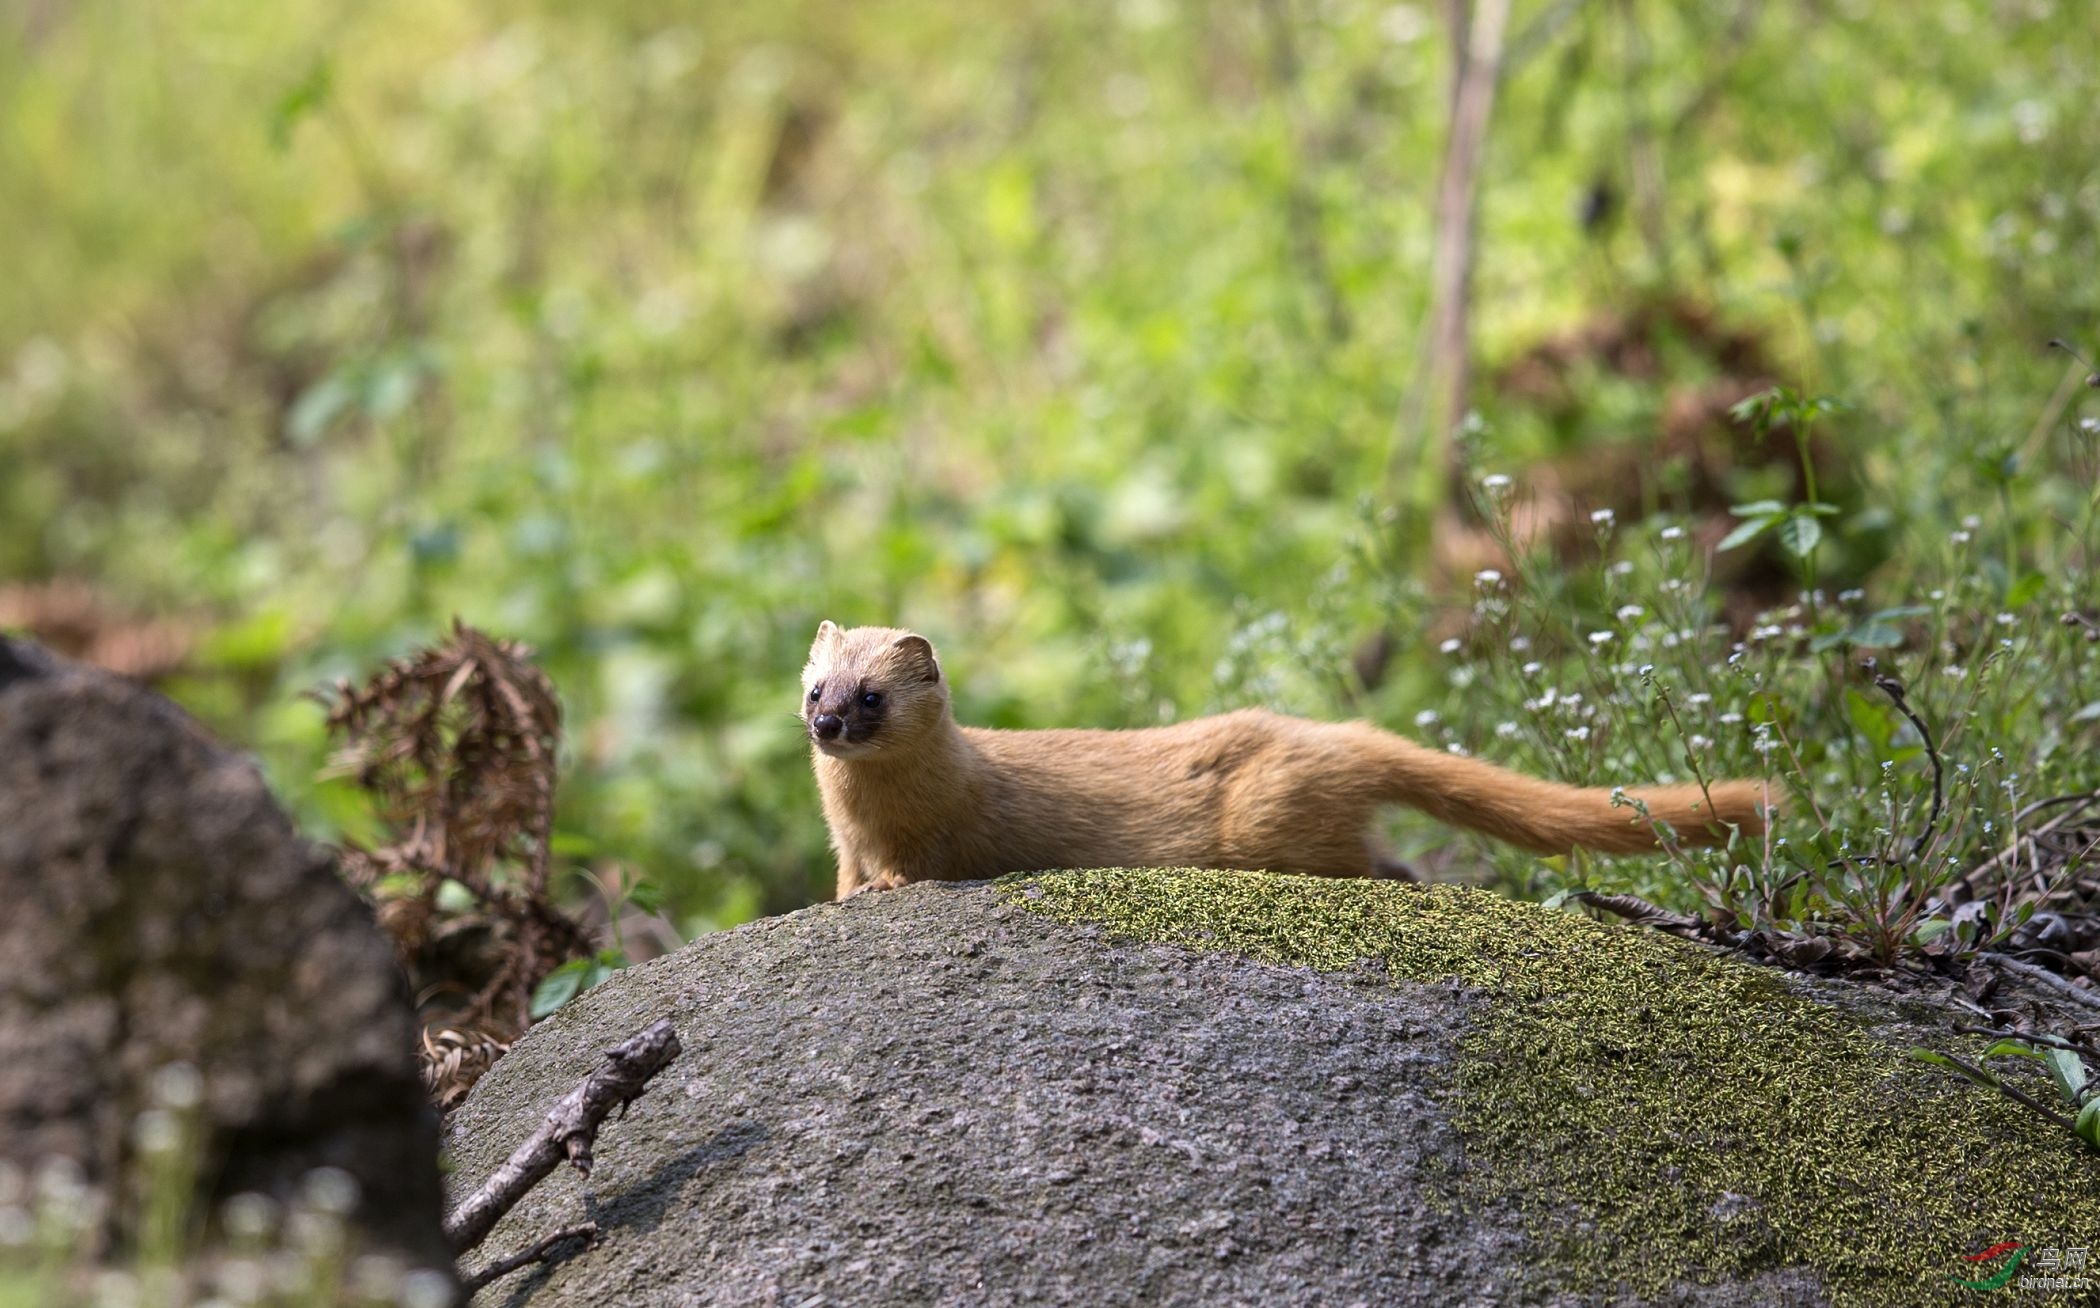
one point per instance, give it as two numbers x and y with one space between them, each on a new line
161 911
1312 1093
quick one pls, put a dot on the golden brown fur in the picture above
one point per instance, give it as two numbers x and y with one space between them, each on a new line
911 796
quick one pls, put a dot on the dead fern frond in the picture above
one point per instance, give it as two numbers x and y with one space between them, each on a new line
457 746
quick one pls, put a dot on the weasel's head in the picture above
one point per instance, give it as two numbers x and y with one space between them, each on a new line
870 689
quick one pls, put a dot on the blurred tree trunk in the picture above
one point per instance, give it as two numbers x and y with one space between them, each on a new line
1436 401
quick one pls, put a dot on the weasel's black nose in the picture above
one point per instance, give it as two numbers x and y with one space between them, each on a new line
828 726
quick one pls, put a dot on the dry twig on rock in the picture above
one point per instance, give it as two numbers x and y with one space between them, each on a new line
568 1132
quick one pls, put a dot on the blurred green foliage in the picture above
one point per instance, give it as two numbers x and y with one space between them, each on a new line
1071 334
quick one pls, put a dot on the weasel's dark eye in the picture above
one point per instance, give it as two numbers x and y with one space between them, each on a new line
815 691
872 699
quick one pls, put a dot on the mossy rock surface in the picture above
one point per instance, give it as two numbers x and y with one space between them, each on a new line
1198 1087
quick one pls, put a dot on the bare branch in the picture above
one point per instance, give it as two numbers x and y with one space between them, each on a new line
2010 1091
1437 400
569 1131
1642 913
2044 977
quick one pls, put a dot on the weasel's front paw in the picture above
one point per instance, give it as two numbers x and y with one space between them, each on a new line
887 881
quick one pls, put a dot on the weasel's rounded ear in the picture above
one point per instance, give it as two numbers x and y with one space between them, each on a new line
828 632
919 651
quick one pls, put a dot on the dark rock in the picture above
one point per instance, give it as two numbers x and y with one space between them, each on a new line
161 910
928 1096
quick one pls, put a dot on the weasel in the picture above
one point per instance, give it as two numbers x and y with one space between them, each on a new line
912 796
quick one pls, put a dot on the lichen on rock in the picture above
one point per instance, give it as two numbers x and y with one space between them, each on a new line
1659 1114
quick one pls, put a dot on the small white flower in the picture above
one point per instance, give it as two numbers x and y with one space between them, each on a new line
249 1216
1623 568
1519 644
1426 718
1673 533
1936 594
329 1190
1702 742
2090 426
1600 638
424 1288
2006 619
1602 517
156 1131
1959 537
1956 672
1487 578
1628 612
1731 718
1505 730
1495 483
1533 669
1450 646
1455 748
1577 733
1971 521
178 1086
1698 699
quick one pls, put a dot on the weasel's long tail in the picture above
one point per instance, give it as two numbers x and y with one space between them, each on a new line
1552 818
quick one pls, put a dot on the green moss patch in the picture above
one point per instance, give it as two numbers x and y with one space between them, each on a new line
1658 1113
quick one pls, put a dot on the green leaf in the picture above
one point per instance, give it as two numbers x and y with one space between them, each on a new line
392 387
2068 1071
1800 534
1872 718
1754 406
1819 508
2025 590
397 885
2013 1049
304 96
573 978
1758 509
1745 533
2088 1124
559 987
1938 1059
317 407
571 844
